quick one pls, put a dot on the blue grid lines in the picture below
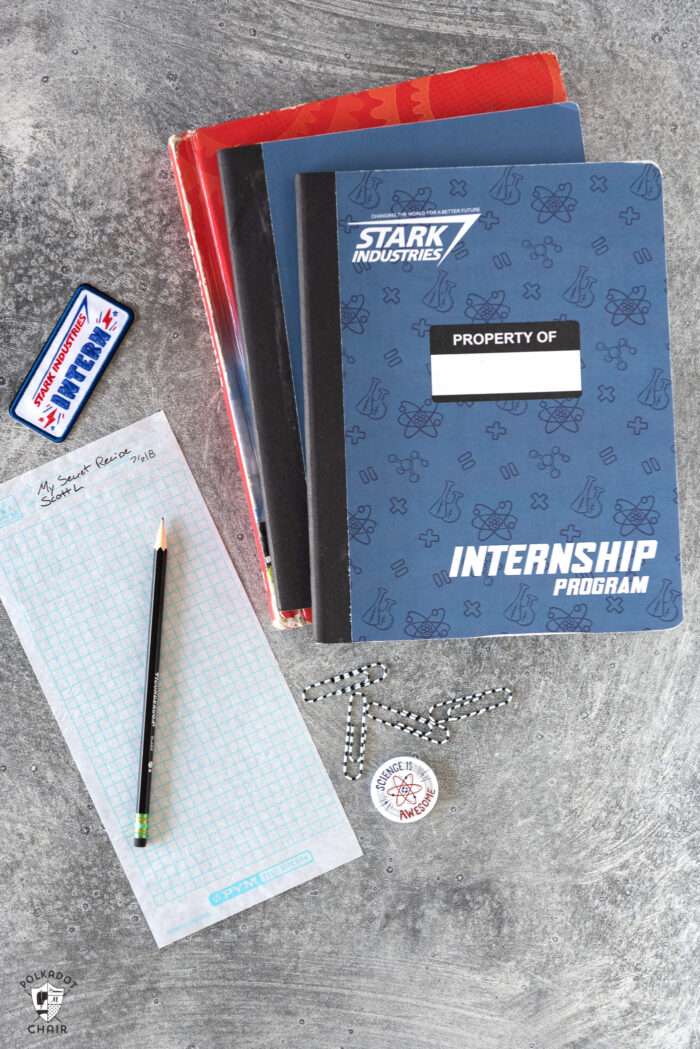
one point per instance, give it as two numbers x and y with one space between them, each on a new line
236 781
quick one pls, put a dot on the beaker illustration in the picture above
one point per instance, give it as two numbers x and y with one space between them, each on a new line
506 189
439 297
379 613
365 192
372 404
648 183
512 407
579 293
655 394
665 605
446 508
587 502
521 610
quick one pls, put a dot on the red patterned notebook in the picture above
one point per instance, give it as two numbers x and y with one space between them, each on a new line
514 83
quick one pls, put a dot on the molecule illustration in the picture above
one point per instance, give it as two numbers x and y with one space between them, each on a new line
548 460
407 465
542 252
616 354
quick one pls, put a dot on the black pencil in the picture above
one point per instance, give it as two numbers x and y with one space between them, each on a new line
150 700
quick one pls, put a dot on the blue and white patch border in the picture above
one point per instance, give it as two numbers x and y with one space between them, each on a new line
47 348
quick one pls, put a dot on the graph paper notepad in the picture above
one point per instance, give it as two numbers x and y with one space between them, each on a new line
241 807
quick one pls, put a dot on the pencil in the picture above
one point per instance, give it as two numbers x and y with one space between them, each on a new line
150 699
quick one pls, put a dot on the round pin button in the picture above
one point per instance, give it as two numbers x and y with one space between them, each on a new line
404 790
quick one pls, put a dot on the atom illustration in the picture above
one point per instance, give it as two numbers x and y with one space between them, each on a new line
420 626
636 517
353 314
416 418
361 526
498 522
404 790
559 621
553 205
628 305
417 203
485 310
560 416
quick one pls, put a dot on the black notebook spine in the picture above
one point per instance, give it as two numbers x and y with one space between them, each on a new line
268 370
317 233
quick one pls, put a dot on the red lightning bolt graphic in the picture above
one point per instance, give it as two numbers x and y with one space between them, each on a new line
50 417
107 319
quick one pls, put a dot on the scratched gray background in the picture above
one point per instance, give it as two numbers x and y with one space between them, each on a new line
550 900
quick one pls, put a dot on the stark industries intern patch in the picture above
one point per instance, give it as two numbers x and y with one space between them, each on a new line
75 356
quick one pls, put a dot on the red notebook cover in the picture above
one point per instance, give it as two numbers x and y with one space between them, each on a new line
513 83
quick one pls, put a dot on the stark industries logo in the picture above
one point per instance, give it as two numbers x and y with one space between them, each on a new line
47 988
417 238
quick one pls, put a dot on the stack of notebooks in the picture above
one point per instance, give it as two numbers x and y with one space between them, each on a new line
443 343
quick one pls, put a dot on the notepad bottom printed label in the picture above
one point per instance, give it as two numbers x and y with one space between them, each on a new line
254 881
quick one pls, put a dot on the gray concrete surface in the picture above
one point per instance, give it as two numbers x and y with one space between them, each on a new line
550 900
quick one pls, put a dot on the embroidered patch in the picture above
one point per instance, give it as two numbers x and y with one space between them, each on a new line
67 370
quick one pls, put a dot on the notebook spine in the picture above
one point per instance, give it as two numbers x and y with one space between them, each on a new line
323 393
268 370
184 163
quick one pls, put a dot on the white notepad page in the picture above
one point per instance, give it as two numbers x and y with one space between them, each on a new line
241 806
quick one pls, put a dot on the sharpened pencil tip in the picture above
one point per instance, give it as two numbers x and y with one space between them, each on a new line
161 542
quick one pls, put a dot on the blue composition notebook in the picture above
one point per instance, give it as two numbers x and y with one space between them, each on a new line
489 421
258 189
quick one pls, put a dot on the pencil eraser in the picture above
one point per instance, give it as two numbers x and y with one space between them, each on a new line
72 360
